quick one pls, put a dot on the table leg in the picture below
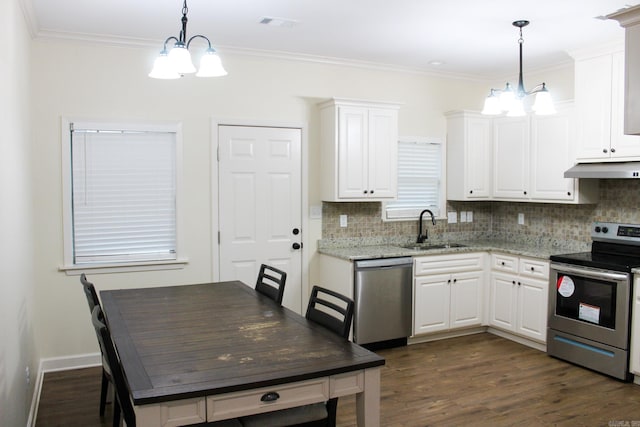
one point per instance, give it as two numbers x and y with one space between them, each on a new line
368 402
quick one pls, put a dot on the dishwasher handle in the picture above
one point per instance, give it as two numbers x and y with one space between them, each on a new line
379 263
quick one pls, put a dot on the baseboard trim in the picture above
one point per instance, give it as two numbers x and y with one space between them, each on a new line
54 364
520 340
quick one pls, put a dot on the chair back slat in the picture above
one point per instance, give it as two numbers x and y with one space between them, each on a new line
335 314
271 282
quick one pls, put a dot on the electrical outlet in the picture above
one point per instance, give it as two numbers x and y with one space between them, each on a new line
469 216
452 217
27 375
520 219
343 221
463 216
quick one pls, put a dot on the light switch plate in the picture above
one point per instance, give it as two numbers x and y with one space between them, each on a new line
343 220
469 216
463 216
520 219
452 217
315 212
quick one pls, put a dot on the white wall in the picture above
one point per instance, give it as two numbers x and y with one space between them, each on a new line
17 275
91 81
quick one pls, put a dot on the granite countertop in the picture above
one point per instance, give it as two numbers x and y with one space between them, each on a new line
389 250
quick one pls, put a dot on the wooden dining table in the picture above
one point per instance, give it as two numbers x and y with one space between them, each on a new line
214 351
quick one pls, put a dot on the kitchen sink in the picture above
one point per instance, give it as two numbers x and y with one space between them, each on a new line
430 246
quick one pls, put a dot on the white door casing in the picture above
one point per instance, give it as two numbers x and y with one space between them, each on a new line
259 205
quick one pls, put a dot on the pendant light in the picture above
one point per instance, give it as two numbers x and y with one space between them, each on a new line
511 101
176 62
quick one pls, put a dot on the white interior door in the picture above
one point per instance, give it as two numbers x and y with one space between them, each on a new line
259 209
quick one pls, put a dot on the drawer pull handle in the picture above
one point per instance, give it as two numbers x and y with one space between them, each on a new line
272 396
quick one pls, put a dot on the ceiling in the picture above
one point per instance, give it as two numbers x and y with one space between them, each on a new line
468 38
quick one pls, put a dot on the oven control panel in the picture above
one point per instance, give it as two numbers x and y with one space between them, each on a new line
615 232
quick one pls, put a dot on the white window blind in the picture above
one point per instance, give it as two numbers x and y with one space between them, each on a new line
124 195
419 179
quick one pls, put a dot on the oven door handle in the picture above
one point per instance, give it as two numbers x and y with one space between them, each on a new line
568 269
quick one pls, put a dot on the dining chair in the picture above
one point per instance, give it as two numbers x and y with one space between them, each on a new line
271 282
334 312
122 401
93 301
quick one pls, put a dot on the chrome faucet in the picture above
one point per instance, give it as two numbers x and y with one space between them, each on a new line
422 238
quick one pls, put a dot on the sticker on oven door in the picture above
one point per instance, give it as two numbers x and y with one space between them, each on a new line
589 313
566 287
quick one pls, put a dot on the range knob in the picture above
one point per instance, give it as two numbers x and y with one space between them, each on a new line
605 230
597 229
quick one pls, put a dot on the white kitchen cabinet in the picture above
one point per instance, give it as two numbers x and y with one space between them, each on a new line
469 160
518 296
448 292
511 158
359 150
515 158
599 98
552 152
630 19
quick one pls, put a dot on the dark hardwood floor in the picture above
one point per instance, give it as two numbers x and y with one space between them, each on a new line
477 380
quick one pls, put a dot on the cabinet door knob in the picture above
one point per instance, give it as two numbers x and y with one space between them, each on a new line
525 193
513 282
568 193
470 191
613 150
604 150
533 269
365 191
371 191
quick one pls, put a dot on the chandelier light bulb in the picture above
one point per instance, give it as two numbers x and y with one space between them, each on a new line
162 68
211 65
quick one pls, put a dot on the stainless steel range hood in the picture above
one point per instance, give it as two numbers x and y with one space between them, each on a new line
605 170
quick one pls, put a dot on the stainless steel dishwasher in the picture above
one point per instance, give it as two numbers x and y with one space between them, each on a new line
382 297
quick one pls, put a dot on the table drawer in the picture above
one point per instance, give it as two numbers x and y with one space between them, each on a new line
346 384
233 405
172 414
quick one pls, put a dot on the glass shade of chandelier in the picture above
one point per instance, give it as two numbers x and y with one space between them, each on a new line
511 100
176 62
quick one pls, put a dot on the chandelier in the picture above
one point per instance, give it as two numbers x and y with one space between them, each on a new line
512 101
176 62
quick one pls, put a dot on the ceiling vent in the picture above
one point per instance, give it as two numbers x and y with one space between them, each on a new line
278 22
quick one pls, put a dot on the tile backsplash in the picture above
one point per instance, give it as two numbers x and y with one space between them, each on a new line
543 222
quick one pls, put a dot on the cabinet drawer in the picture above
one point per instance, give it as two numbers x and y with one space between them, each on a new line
506 263
438 264
534 268
233 405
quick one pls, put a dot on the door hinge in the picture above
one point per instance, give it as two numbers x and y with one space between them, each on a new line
218 237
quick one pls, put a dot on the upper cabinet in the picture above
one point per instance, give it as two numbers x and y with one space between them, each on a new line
630 19
469 160
514 158
359 150
599 98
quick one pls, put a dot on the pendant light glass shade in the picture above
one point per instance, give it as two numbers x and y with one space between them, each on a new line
180 58
492 105
211 65
516 109
162 68
544 104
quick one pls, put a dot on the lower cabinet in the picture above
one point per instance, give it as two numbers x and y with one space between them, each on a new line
448 292
519 295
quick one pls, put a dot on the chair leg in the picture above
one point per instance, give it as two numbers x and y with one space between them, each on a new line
116 413
332 409
103 392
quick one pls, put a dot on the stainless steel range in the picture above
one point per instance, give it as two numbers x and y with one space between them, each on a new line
590 300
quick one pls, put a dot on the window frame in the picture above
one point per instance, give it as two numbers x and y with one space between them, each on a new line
68 266
442 198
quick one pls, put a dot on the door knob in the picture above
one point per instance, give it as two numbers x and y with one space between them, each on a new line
296 245
295 231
